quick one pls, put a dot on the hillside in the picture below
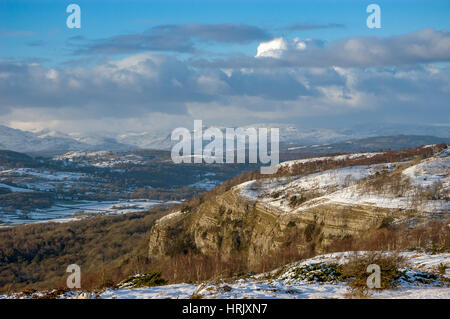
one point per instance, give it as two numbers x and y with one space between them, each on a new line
311 203
107 248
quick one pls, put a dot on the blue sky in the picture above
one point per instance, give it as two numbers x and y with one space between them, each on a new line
44 21
171 61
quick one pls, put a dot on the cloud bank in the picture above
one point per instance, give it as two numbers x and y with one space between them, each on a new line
385 79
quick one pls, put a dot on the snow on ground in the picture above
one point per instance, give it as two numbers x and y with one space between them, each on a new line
331 158
42 174
285 283
323 183
415 260
103 159
77 154
178 291
414 293
339 186
206 184
445 152
15 189
169 216
65 212
430 171
351 196
41 179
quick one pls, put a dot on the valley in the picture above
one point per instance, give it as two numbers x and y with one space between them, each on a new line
134 212
79 184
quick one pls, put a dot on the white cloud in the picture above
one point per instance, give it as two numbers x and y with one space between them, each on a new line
52 74
272 49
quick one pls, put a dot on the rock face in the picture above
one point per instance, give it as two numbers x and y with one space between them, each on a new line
307 212
232 223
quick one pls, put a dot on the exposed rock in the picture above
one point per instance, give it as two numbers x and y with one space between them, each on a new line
250 219
231 224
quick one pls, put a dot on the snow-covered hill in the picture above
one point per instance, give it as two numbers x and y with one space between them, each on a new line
425 186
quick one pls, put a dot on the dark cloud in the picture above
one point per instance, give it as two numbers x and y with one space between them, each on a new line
37 43
312 26
177 38
227 32
133 43
274 85
76 38
424 46
16 33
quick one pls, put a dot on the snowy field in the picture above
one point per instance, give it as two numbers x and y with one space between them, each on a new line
30 179
284 284
65 212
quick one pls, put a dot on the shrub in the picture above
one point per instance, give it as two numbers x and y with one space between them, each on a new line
150 279
355 271
442 268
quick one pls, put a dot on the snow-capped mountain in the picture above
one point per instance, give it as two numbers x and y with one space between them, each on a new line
59 143
288 133
51 141
23 141
147 140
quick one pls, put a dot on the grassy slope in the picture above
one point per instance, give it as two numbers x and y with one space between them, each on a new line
106 249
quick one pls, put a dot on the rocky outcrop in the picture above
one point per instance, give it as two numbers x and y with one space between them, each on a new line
231 223
307 212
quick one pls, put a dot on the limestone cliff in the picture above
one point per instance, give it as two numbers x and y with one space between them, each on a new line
232 223
257 217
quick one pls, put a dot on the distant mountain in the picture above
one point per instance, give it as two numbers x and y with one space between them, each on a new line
50 142
287 133
147 140
388 129
368 144
292 137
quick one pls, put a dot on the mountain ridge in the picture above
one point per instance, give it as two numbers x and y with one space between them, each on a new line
293 139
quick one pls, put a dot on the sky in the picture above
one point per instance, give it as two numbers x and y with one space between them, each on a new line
157 65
